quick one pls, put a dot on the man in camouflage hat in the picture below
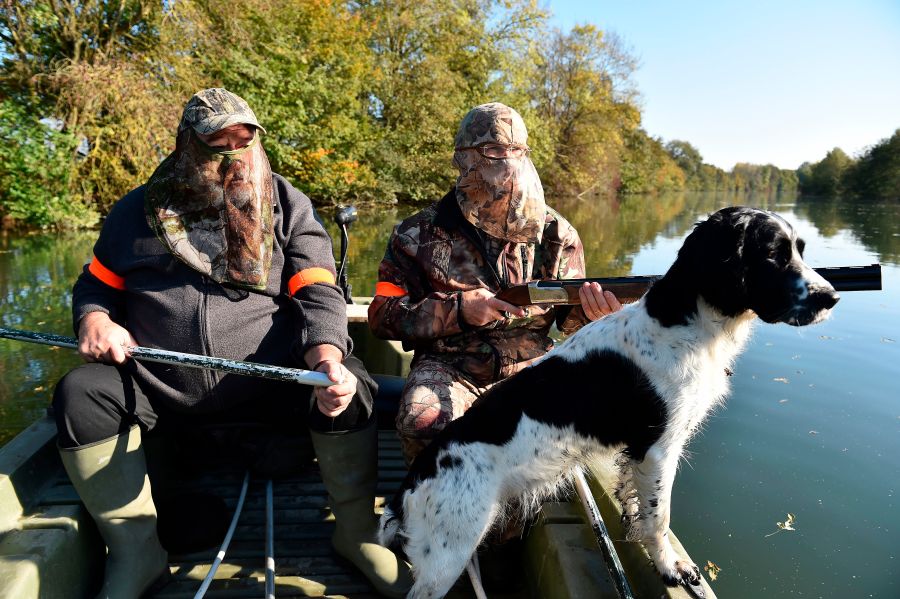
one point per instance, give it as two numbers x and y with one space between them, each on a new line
215 255
444 265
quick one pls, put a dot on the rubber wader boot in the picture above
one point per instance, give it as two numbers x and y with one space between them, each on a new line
349 465
111 479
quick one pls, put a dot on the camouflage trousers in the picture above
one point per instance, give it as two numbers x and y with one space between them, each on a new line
435 394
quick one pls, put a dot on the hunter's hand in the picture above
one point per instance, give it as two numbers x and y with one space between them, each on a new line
596 302
333 400
480 307
102 340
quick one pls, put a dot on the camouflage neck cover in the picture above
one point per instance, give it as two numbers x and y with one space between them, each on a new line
502 197
212 210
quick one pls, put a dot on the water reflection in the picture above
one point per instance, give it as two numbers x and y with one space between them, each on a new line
36 276
873 225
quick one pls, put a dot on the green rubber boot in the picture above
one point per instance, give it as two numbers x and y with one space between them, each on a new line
111 478
349 465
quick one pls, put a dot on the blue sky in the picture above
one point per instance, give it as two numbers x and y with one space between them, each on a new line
760 81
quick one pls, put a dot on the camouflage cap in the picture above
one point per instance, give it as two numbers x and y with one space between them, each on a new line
214 109
494 123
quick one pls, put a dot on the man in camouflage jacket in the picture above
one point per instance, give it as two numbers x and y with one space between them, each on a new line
444 265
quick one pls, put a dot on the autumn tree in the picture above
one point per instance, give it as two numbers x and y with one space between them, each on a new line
583 97
306 69
112 72
435 60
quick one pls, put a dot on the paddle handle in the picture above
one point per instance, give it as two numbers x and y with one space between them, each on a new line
280 373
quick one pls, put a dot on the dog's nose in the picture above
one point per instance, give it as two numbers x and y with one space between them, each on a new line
824 299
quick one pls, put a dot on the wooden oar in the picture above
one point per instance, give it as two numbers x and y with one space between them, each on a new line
281 373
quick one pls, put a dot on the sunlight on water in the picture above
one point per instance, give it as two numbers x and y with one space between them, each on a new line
812 427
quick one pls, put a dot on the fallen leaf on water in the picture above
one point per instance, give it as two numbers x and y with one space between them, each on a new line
712 569
782 401
39 388
780 379
826 337
813 433
788 524
887 340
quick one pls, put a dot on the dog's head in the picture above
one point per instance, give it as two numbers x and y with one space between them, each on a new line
743 259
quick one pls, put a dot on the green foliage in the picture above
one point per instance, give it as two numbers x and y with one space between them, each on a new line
306 78
687 157
826 176
435 60
114 73
647 166
876 174
35 173
361 98
581 96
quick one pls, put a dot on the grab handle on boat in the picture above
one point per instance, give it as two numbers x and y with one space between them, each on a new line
602 534
281 373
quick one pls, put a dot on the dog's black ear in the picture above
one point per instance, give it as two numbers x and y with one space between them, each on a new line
710 265
715 252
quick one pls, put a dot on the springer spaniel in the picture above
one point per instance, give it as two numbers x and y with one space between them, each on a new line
638 382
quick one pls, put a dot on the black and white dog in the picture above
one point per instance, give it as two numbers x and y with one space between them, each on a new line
639 382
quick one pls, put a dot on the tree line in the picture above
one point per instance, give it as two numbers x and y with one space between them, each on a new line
361 98
875 173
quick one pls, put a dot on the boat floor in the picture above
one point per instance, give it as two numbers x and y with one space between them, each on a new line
305 564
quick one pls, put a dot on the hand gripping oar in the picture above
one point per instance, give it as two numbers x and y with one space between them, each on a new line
281 373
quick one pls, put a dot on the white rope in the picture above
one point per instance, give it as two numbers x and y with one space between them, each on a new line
221 555
270 542
474 570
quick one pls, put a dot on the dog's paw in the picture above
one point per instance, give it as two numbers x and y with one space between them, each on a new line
681 572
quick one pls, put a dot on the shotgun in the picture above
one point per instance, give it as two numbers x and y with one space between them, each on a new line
630 289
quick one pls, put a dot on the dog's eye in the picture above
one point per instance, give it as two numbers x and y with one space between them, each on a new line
781 253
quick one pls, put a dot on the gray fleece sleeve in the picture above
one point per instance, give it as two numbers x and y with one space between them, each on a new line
101 285
321 313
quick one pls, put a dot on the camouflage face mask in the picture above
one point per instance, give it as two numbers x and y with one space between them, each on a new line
501 196
212 209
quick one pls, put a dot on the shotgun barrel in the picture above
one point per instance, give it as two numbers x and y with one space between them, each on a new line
630 289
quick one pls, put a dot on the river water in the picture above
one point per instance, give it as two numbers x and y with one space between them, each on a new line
812 427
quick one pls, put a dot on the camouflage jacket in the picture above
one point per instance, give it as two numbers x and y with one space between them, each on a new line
435 255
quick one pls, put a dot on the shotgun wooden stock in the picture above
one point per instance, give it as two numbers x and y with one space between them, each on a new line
631 289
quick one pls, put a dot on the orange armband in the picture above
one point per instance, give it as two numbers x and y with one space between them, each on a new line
106 275
308 276
389 289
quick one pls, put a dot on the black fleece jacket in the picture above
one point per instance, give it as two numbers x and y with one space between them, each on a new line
166 304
